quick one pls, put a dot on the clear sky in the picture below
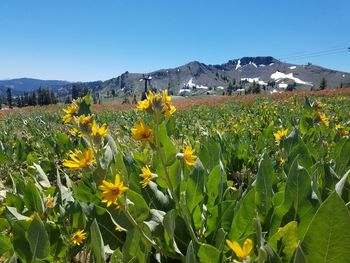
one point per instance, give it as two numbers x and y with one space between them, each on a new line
100 39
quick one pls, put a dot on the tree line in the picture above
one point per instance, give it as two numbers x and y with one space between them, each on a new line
43 96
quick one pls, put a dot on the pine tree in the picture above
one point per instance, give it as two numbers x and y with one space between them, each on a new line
323 84
9 97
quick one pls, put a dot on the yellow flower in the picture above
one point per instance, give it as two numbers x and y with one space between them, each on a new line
78 237
323 118
112 192
241 253
70 111
168 109
99 131
282 161
147 176
141 132
30 218
50 203
189 157
80 160
146 103
75 132
84 120
279 135
344 133
339 126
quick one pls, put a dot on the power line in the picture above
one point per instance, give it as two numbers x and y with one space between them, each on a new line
319 55
305 55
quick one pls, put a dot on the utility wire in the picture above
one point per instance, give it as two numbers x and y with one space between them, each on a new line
306 55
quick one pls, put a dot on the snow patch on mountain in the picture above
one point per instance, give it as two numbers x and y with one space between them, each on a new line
256 80
283 85
278 76
252 63
293 67
238 64
190 85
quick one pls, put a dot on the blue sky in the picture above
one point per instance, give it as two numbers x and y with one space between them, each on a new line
91 40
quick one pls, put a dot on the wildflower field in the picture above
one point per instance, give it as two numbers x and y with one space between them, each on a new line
260 180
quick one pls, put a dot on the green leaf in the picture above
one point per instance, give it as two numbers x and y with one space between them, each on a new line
297 196
195 186
32 198
263 186
243 221
299 256
41 176
220 239
328 236
5 244
96 243
214 185
12 214
13 259
138 206
220 216
342 156
107 157
289 237
167 147
20 242
38 239
340 185
208 254
134 247
190 254
117 257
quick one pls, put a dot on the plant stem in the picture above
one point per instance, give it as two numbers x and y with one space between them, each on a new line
170 186
146 238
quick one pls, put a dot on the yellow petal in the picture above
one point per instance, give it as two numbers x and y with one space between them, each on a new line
247 247
235 247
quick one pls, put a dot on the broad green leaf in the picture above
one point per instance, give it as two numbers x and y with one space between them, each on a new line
214 185
220 239
20 242
5 244
32 198
38 239
107 157
41 176
190 254
297 199
263 185
243 221
13 259
208 254
168 149
134 247
328 236
117 257
299 256
138 206
219 216
96 243
342 156
288 238
195 186
340 185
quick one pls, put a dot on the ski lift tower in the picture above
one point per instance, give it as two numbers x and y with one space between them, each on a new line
147 80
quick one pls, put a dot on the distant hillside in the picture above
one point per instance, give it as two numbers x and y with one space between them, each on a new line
21 85
197 78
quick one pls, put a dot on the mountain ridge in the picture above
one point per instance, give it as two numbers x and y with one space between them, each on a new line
196 77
